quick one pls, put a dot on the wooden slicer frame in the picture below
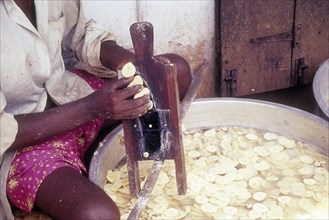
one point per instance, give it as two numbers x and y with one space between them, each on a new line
156 135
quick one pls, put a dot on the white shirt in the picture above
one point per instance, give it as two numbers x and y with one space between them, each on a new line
32 64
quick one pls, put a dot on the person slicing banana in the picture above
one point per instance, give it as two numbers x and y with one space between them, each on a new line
50 115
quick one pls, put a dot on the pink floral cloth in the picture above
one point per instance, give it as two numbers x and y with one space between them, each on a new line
33 164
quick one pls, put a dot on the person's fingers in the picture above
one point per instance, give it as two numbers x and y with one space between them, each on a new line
134 108
139 102
118 84
120 101
131 104
128 92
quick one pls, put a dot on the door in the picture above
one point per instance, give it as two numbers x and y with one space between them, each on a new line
311 45
267 45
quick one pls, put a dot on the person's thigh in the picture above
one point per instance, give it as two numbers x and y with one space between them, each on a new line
66 194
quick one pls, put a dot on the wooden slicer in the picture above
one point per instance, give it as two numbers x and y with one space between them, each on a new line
157 134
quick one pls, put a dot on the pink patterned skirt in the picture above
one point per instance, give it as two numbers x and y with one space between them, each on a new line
33 164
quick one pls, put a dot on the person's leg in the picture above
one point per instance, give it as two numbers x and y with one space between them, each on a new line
57 162
66 194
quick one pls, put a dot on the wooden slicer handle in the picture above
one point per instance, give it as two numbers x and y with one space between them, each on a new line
142 39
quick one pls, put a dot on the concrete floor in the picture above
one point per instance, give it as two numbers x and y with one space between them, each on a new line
300 97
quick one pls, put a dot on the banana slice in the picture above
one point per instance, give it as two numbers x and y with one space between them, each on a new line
201 199
220 202
262 165
230 210
163 179
272 178
259 196
125 215
306 159
305 204
170 213
306 170
275 148
211 189
321 170
212 149
209 177
151 105
309 181
210 133
243 194
199 163
252 137
255 182
288 143
138 80
288 172
110 176
244 160
298 189
284 199
145 91
208 208
254 214
269 136
261 151
194 154
260 208
232 190
128 70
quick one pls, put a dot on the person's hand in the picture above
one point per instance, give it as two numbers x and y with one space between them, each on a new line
115 100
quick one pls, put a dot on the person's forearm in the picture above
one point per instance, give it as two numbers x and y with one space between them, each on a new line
35 127
113 56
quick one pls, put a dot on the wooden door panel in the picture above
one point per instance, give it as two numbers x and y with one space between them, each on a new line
311 38
255 38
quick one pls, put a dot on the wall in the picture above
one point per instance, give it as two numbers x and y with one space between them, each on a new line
184 27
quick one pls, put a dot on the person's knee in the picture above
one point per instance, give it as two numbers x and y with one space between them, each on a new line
99 210
184 76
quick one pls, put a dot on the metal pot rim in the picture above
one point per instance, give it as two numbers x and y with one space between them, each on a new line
265 103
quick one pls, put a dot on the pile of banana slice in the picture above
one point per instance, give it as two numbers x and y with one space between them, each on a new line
234 173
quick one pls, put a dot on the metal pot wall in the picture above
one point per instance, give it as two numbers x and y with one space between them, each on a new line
216 112
321 87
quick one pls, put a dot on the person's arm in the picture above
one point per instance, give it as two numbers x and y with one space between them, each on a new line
113 56
112 101
94 46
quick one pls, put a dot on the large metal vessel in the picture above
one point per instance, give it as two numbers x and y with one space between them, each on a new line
321 87
215 112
